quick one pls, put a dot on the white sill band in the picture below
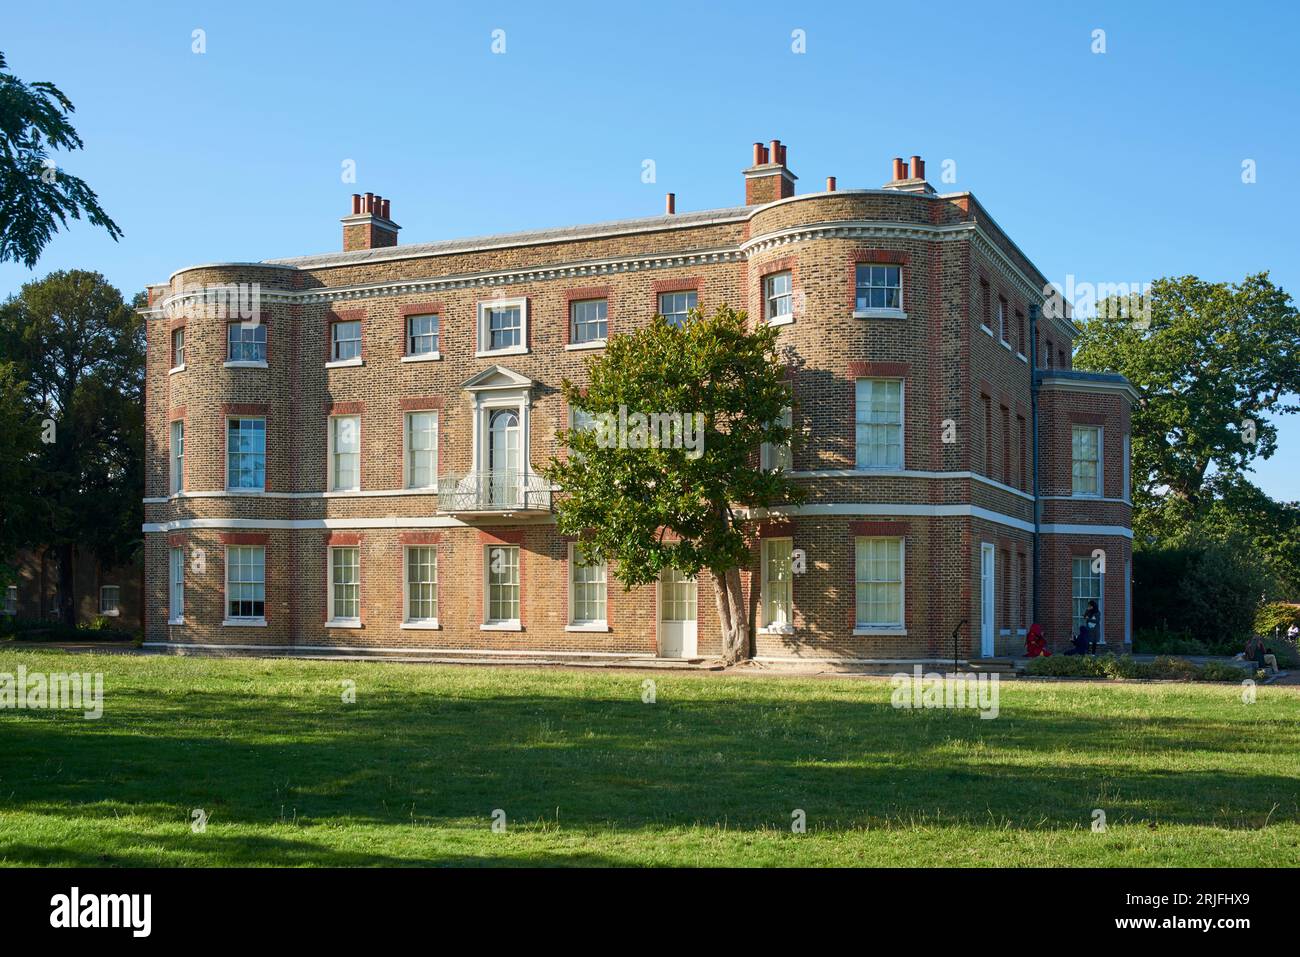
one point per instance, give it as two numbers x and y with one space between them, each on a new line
593 344
588 626
423 357
344 363
879 314
175 369
431 625
244 623
244 364
343 623
500 626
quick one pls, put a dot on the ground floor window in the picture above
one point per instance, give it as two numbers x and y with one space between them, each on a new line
108 599
587 589
176 584
11 600
345 584
246 582
879 582
502 571
778 600
422 584
1085 587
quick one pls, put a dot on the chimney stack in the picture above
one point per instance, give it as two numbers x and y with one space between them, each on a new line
909 180
670 203
769 179
830 184
369 225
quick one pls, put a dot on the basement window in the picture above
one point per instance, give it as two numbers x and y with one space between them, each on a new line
108 599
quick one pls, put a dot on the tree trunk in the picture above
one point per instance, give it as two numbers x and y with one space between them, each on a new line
67 603
731 615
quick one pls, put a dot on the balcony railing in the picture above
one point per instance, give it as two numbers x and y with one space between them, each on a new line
494 492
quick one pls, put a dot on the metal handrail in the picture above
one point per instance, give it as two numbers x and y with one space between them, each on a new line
493 491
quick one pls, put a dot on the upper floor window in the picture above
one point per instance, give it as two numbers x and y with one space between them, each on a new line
879 423
178 348
421 449
345 453
1127 453
246 453
986 305
421 335
878 287
345 340
878 582
1085 459
1003 332
109 596
778 298
589 321
178 456
246 342
246 582
676 306
503 326
778 456
1020 332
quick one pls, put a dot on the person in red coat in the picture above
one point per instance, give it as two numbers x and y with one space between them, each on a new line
1035 643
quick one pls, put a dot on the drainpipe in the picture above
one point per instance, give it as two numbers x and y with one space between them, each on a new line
1033 406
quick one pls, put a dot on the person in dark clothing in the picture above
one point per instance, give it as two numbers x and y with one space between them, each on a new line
1079 646
1092 622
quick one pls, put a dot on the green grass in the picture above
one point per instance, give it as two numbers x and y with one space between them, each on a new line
588 774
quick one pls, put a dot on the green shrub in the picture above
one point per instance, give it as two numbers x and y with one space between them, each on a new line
1163 641
1222 671
1061 666
1178 669
1123 666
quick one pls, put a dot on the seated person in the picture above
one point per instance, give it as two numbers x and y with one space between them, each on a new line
1256 652
1035 643
1080 644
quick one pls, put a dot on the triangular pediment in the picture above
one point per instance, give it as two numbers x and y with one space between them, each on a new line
496 377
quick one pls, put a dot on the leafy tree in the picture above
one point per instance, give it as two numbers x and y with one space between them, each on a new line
1222 592
36 197
18 449
1212 362
648 508
79 350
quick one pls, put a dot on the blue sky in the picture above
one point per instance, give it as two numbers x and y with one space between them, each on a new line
1113 167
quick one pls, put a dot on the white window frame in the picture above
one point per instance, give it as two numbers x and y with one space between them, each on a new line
419 623
596 341
1081 601
782 456
1002 321
430 354
678 292
586 624
768 627
881 628
242 363
1128 477
176 445
116 592
245 489
772 298
408 472
501 624
902 425
178 349
250 620
335 359
484 333
334 453
879 312
1101 475
350 621
176 585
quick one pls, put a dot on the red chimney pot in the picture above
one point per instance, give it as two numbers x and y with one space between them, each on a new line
356 203
670 203
918 167
830 184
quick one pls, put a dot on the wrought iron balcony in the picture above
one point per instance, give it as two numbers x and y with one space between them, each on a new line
492 493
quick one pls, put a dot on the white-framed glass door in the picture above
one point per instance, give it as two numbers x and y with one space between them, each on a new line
988 555
504 473
678 625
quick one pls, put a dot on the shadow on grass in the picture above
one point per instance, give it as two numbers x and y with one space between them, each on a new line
408 758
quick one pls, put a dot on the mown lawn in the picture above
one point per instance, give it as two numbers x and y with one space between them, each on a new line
588 774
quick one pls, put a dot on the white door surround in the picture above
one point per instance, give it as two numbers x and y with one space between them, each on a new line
988 562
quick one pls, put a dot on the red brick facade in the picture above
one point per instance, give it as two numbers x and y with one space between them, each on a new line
964 482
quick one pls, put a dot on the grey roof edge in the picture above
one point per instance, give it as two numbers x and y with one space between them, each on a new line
1113 379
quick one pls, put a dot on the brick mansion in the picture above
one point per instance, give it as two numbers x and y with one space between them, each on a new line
356 469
